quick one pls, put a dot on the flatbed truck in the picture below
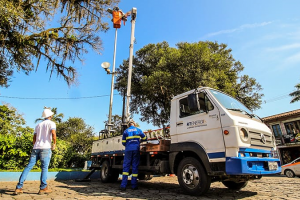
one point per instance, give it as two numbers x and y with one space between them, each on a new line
211 137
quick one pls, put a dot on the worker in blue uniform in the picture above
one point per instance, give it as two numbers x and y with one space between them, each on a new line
132 137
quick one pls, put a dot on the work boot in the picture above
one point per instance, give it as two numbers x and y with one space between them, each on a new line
45 191
18 191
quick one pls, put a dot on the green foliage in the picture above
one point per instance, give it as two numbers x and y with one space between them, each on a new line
61 154
296 94
26 34
79 136
161 72
11 122
74 142
15 151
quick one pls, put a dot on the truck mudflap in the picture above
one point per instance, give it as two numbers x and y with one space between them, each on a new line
252 161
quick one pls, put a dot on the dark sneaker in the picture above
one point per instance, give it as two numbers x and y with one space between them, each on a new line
135 188
45 191
18 191
122 189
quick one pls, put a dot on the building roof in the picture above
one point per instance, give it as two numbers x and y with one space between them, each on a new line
282 115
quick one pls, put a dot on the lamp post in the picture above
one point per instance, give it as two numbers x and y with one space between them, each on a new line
106 65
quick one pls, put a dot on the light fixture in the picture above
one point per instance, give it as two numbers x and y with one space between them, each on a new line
106 65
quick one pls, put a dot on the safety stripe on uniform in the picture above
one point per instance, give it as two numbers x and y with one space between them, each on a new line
144 138
134 175
131 137
125 173
123 140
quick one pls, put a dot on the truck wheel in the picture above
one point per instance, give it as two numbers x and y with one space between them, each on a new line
234 185
192 177
105 172
289 173
145 177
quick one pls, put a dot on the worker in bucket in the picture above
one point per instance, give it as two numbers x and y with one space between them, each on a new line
44 141
132 137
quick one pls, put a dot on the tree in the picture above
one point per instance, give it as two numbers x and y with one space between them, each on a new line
296 94
77 132
80 137
57 118
160 72
12 123
27 34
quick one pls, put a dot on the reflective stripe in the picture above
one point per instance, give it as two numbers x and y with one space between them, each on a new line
123 141
125 173
144 138
134 175
131 137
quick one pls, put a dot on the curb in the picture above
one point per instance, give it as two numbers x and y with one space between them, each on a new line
35 176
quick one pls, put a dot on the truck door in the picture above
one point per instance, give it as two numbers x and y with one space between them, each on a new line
202 126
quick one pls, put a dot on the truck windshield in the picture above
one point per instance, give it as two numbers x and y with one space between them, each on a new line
231 103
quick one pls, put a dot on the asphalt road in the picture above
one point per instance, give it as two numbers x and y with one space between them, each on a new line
157 188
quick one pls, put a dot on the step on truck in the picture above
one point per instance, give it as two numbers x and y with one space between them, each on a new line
211 137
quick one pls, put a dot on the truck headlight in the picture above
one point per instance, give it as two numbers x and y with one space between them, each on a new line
244 135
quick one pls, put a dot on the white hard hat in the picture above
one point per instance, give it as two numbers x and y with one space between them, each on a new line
47 113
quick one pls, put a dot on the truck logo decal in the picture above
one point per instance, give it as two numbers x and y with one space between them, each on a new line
197 123
263 138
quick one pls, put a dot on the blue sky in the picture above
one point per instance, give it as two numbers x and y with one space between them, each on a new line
263 35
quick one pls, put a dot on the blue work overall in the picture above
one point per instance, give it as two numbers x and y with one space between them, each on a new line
131 140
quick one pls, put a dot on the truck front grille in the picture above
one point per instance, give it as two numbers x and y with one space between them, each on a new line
260 139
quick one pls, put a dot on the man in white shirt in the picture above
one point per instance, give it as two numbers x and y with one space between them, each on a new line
44 135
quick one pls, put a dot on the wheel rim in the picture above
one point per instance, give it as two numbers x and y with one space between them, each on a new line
190 176
289 174
104 171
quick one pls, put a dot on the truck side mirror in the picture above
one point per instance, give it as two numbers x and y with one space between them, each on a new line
193 102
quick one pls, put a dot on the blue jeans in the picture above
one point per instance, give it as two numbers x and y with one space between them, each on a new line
37 154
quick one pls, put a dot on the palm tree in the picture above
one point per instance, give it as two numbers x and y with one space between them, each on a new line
57 118
296 94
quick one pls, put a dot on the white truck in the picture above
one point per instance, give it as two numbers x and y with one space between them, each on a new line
212 137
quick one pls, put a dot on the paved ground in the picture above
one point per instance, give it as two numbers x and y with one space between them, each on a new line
157 188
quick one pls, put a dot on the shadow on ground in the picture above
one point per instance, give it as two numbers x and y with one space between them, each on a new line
150 190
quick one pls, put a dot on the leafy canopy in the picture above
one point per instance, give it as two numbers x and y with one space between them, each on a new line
160 72
26 34
77 133
12 123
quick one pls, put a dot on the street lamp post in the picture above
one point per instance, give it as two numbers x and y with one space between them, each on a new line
106 66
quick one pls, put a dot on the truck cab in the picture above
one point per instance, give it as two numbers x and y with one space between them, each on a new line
233 138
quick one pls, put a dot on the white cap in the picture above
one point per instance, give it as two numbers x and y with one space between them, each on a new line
47 113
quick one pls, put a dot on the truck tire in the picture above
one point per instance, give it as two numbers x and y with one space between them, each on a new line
105 172
289 173
145 177
234 185
192 177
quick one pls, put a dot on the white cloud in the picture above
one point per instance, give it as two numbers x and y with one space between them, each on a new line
240 28
293 59
285 47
